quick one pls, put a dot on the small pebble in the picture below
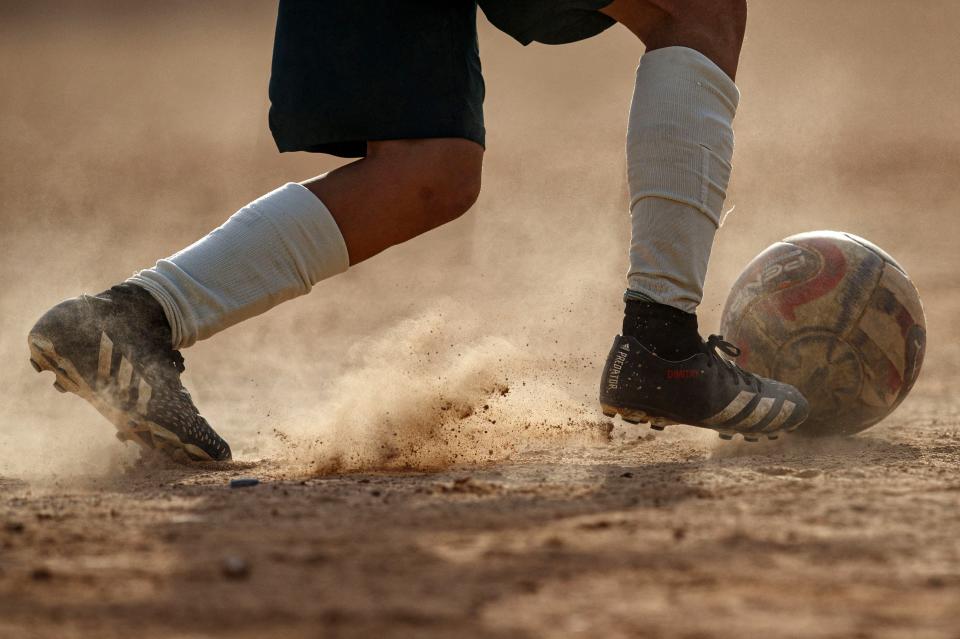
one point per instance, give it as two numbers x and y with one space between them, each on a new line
235 568
244 482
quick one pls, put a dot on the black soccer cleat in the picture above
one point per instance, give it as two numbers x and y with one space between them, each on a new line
703 390
114 351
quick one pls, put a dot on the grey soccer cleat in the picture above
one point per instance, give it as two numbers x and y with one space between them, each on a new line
114 350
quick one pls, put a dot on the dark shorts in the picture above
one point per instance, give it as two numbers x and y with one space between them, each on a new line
349 71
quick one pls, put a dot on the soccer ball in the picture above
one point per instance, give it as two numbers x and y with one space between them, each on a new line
835 316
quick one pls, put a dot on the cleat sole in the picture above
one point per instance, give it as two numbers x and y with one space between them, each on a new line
636 416
129 425
632 416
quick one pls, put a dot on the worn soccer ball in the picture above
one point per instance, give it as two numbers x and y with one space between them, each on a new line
835 316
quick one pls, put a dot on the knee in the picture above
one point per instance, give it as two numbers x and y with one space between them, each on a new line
450 185
713 27
725 21
443 175
718 25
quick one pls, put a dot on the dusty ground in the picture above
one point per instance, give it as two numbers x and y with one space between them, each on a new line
430 464
640 536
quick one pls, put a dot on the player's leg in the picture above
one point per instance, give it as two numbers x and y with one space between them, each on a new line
421 184
679 154
679 149
398 84
278 246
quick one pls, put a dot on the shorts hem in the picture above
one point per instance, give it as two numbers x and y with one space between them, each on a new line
292 135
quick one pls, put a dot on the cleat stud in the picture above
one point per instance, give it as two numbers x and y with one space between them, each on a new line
726 436
631 420
36 366
657 426
609 413
59 387
751 438
773 436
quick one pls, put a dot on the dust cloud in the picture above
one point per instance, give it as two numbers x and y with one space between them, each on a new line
128 133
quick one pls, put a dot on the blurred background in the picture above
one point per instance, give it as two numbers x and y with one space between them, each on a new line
128 130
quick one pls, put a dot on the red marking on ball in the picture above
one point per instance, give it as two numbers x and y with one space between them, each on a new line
831 272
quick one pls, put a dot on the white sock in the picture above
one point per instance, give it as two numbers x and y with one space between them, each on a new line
679 149
272 250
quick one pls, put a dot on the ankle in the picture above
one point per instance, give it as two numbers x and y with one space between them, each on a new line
664 330
147 310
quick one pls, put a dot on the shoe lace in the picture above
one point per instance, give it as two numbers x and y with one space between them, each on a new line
163 359
715 345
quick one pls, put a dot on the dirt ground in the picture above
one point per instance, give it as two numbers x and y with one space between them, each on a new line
639 536
423 428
